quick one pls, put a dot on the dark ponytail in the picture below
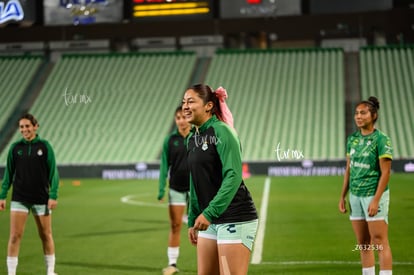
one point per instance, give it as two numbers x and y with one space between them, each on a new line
218 97
206 93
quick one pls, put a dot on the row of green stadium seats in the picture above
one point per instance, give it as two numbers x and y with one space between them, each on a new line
287 104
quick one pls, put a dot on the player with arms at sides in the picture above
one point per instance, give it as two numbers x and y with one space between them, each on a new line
31 169
368 169
174 164
222 217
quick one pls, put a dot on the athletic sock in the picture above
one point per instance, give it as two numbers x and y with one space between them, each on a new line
173 253
50 261
12 265
368 270
385 272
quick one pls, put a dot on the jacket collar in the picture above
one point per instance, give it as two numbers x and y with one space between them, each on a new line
206 124
36 139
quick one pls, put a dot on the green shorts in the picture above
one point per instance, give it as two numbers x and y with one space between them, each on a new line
232 233
359 207
178 198
37 209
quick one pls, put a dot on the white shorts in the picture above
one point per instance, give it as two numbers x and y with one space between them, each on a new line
37 209
178 198
232 233
359 207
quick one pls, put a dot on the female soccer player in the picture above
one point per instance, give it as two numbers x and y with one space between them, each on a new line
31 168
222 217
368 167
174 163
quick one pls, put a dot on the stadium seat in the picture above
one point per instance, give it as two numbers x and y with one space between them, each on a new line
386 72
294 98
112 108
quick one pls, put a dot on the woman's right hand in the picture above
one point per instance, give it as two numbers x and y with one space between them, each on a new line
193 236
342 205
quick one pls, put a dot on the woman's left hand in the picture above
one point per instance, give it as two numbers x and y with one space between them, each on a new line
52 204
373 208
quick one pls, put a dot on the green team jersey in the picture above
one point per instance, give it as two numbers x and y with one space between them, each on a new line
364 153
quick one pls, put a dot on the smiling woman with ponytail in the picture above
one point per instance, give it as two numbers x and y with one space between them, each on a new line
222 217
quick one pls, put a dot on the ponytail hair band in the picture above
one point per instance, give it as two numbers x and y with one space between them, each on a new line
225 115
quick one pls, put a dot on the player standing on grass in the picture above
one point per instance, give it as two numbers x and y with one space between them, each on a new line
31 169
174 163
368 168
222 217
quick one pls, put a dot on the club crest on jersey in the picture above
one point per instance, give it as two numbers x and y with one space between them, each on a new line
204 146
39 152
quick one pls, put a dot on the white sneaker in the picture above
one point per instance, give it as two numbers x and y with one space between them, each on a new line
169 270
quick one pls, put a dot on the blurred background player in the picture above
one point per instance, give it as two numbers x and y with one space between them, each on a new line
368 168
174 164
222 216
31 169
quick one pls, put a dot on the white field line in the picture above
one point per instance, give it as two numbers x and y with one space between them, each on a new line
258 243
325 263
132 199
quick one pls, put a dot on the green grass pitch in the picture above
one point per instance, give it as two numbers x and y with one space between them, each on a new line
106 227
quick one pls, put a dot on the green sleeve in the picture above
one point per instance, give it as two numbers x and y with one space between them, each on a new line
193 209
228 148
162 182
8 175
53 173
348 146
384 147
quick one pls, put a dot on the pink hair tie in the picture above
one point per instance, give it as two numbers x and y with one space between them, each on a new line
225 115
